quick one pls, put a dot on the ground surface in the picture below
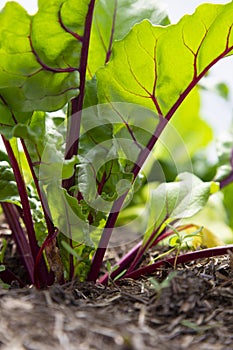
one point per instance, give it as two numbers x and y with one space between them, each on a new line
194 312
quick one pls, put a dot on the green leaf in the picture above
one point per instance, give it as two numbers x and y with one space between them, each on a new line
227 201
51 31
40 54
3 250
178 200
223 90
8 186
8 119
111 141
2 268
113 20
82 256
37 214
224 148
67 215
158 66
70 250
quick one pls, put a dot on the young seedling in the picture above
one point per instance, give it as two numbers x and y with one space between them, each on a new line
111 270
159 286
179 240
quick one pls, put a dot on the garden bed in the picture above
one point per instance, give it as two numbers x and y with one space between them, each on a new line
194 312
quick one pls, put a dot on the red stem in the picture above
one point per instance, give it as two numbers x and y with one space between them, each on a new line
74 121
42 278
72 141
184 258
42 198
125 261
117 205
12 217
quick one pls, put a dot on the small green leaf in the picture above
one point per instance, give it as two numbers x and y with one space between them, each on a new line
8 186
227 201
223 90
2 268
3 249
177 200
224 151
71 250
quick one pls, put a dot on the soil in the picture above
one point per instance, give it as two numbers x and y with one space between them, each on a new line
195 311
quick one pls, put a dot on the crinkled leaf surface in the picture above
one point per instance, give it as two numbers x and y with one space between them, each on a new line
113 20
113 135
180 199
158 66
40 54
39 134
8 119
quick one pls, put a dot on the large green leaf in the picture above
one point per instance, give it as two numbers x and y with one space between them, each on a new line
40 54
158 66
113 20
178 200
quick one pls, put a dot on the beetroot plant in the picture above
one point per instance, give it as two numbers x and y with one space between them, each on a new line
91 156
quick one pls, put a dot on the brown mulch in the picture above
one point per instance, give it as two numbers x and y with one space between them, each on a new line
194 312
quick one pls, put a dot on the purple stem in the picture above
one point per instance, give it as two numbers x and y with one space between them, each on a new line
182 259
43 273
194 82
117 205
74 121
151 242
125 261
143 249
72 141
227 181
47 216
104 240
42 198
12 217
